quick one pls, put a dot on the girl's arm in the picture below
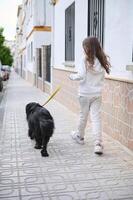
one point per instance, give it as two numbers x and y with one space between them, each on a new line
80 75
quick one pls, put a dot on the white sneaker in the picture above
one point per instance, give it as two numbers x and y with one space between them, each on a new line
77 138
98 149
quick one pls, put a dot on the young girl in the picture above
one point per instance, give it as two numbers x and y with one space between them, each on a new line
91 74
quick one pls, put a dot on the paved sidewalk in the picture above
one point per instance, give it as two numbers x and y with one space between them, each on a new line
72 171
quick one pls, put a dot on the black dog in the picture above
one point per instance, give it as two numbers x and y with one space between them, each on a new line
41 125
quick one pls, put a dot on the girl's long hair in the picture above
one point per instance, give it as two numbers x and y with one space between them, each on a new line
93 49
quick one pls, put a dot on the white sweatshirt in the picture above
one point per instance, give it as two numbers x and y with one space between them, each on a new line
91 80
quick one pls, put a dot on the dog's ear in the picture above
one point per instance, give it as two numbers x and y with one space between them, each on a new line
27 110
29 107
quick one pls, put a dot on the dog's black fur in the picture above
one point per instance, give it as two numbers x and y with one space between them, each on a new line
41 126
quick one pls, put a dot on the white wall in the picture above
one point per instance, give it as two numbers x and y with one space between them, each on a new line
29 64
39 12
119 35
59 30
81 26
48 12
38 38
42 38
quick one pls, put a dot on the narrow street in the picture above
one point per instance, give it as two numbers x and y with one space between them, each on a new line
72 171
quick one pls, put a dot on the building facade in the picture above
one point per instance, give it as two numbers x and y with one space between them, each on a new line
18 37
33 40
111 22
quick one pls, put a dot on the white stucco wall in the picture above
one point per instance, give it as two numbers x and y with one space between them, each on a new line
118 33
42 38
48 11
39 12
29 65
118 39
59 30
38 38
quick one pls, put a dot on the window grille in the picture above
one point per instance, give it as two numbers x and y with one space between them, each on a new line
70 33
96 19
48 63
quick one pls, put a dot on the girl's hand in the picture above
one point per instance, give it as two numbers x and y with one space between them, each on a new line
71 76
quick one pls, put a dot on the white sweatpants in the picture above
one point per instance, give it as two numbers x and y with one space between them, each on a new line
92 106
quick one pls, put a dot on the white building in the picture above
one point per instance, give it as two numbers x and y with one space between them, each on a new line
34 36
111 21
18 51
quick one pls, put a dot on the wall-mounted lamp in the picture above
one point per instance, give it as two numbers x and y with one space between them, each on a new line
19 32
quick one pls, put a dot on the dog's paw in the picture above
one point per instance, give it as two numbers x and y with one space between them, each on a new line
37 146
44 154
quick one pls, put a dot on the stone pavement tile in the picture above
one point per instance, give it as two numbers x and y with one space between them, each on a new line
10 198
9 181
8 173
8 191
121 193
31 180
62 196
34 197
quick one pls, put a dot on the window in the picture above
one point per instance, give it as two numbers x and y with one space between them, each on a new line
48 64
96 19
70 33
